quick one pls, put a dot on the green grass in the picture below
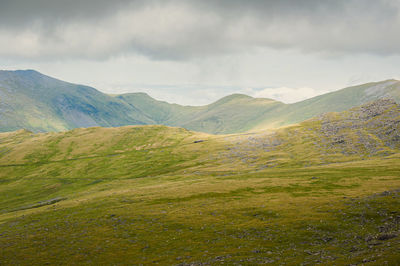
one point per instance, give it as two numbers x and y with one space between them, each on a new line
150 195
273 216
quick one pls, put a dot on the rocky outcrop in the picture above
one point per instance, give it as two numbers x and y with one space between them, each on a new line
368 127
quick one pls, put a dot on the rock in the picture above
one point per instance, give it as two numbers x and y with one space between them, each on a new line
383 237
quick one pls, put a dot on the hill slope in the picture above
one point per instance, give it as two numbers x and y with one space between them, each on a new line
37 102
241 113
234 113
333 102
322 192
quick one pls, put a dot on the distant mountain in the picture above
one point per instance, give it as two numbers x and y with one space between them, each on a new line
37 102
31 100
332 102
234 113
240 113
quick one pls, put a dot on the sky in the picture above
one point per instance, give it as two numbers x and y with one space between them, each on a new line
193 52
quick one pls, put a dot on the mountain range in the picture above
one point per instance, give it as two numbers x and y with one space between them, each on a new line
33 101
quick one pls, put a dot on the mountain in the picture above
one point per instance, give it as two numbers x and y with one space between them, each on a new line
333 102
324 191
37 102
233 113
241 113
31 100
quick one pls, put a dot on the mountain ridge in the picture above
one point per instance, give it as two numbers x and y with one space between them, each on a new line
37 102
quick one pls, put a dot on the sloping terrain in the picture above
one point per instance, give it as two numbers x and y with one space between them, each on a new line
37 102
32 101
333 102
363 132
323 191
241 113
234 113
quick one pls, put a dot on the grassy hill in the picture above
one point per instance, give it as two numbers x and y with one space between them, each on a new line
323 191
30 100
159 111
242 113
333 102
234 113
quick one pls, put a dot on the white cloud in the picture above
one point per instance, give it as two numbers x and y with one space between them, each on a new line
285 94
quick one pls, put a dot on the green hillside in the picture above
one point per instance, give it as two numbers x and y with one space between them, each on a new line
32 101
159 111
333 102
325 191
37 102
234 113
241 113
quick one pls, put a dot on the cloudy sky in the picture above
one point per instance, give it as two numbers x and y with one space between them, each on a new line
196 51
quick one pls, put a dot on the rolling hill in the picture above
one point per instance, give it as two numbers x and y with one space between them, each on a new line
30 100
324 191
233 113
333 102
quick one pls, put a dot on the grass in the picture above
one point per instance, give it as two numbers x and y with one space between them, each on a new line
150 195
270 216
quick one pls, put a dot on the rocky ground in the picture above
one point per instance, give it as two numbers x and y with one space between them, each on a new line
370 130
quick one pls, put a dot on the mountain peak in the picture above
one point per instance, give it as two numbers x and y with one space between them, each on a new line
137 94
22 72
238 96
28 71
243 97
234 96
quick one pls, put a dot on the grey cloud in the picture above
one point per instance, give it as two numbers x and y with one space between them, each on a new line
178 30
21 13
